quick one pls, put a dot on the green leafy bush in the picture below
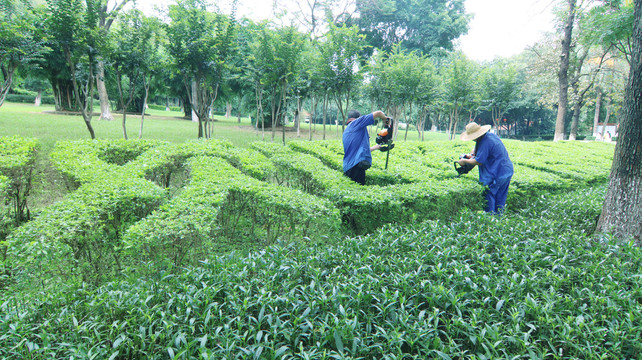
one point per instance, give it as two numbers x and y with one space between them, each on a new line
530 284
17 162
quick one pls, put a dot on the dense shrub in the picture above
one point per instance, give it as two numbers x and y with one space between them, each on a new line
17 162
530 284
29 99
176 204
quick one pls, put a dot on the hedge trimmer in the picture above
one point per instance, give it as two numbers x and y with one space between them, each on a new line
464 169
384 138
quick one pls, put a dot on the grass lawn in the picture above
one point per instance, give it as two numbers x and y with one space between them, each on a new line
49 127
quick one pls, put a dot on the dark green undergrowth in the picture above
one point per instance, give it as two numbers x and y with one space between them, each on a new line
533 284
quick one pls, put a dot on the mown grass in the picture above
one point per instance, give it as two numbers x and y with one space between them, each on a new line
44 124
49 127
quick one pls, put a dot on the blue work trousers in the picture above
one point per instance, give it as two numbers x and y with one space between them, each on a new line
496 195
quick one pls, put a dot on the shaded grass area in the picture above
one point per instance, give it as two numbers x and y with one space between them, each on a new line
531 284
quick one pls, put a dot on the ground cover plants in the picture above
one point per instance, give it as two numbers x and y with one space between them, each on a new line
531 284
204 249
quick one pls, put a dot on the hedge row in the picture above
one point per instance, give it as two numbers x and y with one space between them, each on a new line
180 202
29 99
530 285
366 208
222 205
17 162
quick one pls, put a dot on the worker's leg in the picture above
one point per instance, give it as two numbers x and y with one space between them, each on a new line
357 174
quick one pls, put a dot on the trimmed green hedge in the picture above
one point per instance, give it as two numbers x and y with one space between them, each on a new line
530 284
17 162
29 99
204 197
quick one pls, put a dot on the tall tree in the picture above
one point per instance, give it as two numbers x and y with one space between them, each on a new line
107 13
342 53
134 56
74 23
428 26
562 74
459 80
200 42
22 42
499 88
622 208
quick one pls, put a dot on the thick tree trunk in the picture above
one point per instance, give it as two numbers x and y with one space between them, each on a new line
596 118
38 100
622 208
105 112
563 73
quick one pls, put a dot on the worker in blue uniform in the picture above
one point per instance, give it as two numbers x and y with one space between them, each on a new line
357 156
495 167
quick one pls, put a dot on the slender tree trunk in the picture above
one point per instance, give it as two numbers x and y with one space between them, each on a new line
105 112
606 119
325 112
228 109
622 208
6 86
86 107
563 73
576 119
142 115
596 118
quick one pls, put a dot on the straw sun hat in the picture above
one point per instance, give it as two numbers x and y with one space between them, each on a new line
473 131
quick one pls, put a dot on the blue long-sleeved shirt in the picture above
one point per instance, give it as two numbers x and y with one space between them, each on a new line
356 142
492 155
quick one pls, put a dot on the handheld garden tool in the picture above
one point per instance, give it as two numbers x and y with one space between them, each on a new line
384 138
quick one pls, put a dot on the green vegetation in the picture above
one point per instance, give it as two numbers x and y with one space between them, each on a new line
529 284
204 248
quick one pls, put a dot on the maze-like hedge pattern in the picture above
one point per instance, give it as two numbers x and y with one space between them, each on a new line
177 203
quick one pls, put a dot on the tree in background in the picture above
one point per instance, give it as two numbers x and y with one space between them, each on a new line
499 87
458 79
342 53
107 12
562 74
200 43
622 208
74 26
22 42
429 26
134 54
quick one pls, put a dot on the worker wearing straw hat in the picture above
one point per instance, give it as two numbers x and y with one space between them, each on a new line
495 167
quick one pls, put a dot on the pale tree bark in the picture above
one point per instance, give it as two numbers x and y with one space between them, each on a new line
105 111
598 104
38 100
622 208
563 72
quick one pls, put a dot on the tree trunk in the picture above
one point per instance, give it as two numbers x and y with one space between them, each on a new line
596 118
563 73
105 112
622 208
38 100
606 120
142 115
576 119
194 105
8 79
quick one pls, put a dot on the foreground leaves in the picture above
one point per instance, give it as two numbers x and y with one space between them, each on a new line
531 284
